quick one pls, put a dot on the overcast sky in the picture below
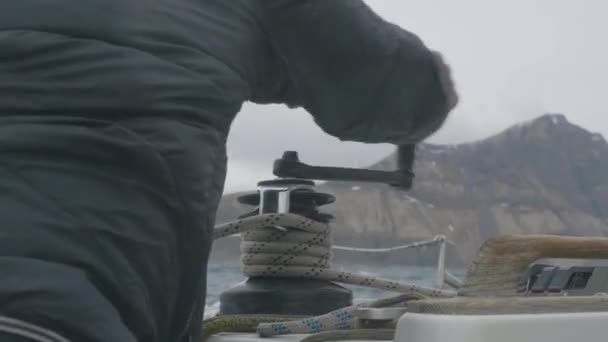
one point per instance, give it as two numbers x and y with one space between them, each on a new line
512 61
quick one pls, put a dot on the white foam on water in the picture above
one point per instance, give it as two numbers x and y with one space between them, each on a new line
212 309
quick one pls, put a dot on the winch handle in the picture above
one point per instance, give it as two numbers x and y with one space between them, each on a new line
290 166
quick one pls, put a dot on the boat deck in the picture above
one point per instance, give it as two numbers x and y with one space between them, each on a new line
555 327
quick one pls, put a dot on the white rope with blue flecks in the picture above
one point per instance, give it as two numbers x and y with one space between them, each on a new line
341 319
292 246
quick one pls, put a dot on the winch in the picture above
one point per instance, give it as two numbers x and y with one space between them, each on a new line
294 192
270 295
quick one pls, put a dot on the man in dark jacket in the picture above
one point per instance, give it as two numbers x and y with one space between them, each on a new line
113 122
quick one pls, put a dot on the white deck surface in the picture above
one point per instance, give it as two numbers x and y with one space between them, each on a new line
583 327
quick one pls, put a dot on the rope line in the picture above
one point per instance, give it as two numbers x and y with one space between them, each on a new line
341 319
432 242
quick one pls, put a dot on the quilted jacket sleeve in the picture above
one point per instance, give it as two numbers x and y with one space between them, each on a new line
360 77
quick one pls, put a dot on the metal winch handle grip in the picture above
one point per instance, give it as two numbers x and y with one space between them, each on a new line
290 166
406 154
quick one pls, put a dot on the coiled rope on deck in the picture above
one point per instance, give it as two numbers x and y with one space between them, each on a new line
293 246
341 319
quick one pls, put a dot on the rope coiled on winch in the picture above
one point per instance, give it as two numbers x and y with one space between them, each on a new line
293 246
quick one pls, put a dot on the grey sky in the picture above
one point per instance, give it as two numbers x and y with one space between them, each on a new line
512 61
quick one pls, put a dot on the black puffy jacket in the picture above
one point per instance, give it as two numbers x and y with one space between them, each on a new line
113 120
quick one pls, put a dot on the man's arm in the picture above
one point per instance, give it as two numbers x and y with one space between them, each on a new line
360 77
